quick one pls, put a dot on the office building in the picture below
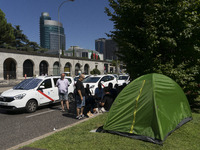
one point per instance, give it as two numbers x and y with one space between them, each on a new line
107 47
100 45
49 33
110 49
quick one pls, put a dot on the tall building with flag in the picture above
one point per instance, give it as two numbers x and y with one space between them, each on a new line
50 31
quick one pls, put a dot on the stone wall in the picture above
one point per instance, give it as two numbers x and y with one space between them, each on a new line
20 57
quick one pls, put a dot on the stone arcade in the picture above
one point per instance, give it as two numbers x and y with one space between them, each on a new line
18 64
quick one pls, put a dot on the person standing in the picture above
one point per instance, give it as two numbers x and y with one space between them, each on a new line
80 97
99 93
62 85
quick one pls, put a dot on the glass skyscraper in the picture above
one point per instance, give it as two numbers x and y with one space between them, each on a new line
49 33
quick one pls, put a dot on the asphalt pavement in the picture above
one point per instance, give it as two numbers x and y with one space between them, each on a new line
19 126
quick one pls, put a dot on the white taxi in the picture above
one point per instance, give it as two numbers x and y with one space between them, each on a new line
123 79
94 80
33 92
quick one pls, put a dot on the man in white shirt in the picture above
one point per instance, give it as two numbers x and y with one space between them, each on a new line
62 85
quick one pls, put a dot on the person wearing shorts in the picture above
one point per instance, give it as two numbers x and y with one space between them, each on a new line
62 85
80 97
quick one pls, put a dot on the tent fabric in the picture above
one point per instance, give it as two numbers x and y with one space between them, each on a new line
149 108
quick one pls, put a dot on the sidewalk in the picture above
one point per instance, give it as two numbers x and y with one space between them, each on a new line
7 84
48 134
2 89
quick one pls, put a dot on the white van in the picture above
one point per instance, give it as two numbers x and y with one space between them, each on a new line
33 92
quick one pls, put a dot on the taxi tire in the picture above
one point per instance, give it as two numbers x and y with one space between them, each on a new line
71 97
31 106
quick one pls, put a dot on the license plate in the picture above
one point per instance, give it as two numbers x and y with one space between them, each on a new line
3 103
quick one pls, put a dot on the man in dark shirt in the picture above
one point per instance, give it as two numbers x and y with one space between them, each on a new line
80 97
107 100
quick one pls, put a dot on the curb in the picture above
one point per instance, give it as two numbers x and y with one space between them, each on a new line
48 134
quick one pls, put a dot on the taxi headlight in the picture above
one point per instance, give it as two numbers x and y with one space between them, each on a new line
20 96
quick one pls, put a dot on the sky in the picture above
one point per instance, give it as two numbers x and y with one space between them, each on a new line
84 21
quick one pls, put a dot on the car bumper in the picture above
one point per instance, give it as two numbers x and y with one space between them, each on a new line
10 108
14 105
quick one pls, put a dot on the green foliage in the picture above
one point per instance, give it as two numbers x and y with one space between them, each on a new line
6 30
158 36
95 71
42 50
13 37
114 63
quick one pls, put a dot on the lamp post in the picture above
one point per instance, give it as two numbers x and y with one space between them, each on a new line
59 30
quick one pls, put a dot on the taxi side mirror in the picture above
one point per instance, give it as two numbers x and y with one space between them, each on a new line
41 87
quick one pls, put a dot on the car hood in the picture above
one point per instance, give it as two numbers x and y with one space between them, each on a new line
12 92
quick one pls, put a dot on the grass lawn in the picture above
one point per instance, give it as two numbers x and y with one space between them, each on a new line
186 137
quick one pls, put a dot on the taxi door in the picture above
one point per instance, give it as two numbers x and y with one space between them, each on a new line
47 92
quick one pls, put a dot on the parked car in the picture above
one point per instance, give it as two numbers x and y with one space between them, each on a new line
93 81
116 76
77 77
123 79
33 92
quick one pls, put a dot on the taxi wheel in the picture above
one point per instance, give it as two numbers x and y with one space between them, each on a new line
31 106
71 97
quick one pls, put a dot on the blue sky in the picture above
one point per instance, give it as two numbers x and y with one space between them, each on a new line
83 20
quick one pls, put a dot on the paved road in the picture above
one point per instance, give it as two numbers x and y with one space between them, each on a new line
18 127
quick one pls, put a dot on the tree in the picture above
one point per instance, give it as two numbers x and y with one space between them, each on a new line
6 30
34 46
95 71
21 40
158 36
13 37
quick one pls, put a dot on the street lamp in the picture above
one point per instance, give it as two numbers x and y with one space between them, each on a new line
59 30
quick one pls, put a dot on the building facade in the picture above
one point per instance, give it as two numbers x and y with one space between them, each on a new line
110 49
100 45
18 64
76 51
107 47
50 31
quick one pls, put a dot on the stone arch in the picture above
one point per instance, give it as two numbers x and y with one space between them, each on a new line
68 67
44 67
9 68
28 66
86 69
56 68
77 69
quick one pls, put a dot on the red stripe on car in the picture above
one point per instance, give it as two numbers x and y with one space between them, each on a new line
45 95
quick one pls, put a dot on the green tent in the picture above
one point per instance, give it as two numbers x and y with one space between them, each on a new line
149 108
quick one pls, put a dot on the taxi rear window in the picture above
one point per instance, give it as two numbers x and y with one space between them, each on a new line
55 80
27 84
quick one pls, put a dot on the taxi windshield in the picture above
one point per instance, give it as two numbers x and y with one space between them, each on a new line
123 77
91 80
27 84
